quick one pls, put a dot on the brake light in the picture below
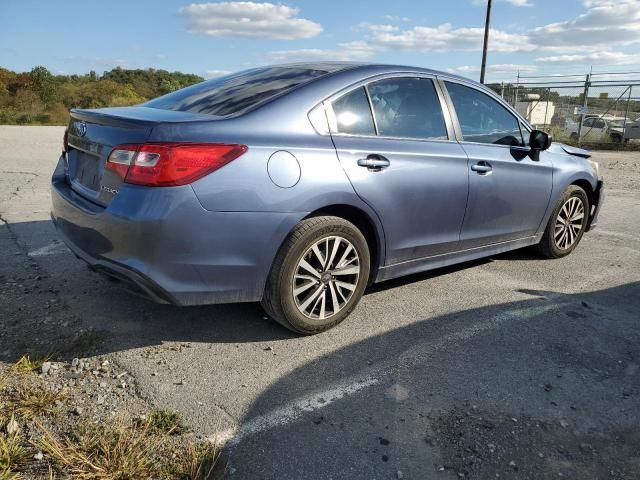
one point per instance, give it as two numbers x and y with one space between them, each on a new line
65 141
170 164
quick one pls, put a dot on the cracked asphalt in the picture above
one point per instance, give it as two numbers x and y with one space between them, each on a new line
510 367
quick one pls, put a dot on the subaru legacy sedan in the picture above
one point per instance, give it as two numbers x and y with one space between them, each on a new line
299 185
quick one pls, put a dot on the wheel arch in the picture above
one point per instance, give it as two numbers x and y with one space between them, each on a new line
369 227
587 187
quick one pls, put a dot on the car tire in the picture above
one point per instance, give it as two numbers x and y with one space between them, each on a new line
316 259
561 238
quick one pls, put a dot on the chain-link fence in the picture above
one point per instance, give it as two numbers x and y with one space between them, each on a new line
598 110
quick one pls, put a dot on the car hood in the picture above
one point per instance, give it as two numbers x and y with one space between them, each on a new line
562 148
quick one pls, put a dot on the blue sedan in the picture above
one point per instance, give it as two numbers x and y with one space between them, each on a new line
300 185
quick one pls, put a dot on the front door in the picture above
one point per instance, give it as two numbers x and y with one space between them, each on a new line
509 191
401 162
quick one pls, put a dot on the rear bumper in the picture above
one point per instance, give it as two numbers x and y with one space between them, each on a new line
164 244
598 200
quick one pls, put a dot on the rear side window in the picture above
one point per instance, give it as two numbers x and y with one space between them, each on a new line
483 119
407 108
352 113
235 93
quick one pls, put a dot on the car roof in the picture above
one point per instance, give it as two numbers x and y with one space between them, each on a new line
368 68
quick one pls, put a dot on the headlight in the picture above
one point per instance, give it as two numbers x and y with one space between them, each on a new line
595 167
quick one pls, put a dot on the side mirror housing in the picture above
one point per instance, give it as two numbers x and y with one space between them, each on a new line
539 140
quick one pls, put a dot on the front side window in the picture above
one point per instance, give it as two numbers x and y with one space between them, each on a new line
483 119
407 108
352 113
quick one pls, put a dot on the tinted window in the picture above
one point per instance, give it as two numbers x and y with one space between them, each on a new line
237 92
407 107
588 122
599 123
483 119
352 113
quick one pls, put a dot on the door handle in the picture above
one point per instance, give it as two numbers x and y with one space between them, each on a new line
482 168
374 162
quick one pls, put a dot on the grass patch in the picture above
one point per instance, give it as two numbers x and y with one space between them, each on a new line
12 455
128 451
166 422
197 462
80 447
25 365
103 453
26 400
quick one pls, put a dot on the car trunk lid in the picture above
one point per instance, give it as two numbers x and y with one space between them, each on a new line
93 134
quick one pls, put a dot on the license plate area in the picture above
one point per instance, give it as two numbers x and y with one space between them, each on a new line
88 170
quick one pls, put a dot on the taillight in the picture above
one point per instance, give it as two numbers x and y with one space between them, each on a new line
170 164
65 141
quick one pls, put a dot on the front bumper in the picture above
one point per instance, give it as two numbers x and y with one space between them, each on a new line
165 245
597 200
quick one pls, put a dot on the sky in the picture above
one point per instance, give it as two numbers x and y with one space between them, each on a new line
213 38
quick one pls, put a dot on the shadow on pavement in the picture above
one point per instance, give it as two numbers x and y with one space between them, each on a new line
528 389
532 389
70 310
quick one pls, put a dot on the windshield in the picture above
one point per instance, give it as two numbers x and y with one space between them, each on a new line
237 92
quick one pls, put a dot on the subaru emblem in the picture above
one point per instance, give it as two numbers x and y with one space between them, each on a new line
82 129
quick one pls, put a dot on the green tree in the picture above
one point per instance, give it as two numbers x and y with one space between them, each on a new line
44 84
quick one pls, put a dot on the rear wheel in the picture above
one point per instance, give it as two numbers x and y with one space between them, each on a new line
566 224
318 276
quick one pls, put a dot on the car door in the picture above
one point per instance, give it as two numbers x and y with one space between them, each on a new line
396 145
509 190
593 129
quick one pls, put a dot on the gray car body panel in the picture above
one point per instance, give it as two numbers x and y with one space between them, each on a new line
215 240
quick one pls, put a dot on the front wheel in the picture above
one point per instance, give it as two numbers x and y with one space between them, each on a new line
566 224
318 276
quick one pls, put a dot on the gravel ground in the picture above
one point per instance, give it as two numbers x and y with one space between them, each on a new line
510 367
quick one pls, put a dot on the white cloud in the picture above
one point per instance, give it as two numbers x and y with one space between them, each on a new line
216 73
445 37
604 24
350 51
248 20
515 3
496 68
595 58
396 18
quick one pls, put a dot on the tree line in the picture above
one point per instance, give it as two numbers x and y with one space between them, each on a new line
40 97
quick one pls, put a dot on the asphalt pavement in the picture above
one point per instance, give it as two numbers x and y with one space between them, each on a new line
511 366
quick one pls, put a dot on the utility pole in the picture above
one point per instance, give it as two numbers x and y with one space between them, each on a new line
486 42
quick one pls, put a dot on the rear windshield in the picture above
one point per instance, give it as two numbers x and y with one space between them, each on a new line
237 92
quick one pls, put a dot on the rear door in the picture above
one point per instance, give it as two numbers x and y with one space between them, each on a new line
397 148
508 190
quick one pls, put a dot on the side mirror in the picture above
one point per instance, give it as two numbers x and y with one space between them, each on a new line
539 140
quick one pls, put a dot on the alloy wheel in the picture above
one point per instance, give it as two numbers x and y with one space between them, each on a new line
569 223
326 277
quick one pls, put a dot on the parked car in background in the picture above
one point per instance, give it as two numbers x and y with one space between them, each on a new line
300 185
597 128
